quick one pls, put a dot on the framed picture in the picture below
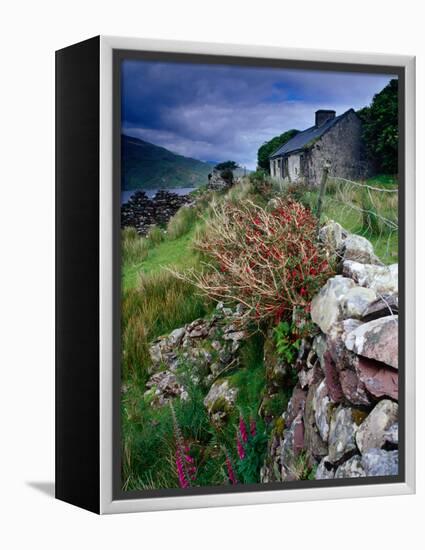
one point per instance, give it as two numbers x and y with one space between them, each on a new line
234 273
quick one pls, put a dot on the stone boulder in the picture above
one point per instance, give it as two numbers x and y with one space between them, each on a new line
357 302
316 445
352 385
323 407
292 445
332 378
352 467
381 307
383 279
209 345
162 387
377 340
377 379
325 469
220 400
327 306
377 462
359 249
332 235
391 436
342 434
372 434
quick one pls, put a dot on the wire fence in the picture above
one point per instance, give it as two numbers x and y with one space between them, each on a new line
367 209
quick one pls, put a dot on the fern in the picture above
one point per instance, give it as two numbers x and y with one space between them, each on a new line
286 346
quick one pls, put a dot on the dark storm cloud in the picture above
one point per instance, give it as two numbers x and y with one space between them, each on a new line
217 112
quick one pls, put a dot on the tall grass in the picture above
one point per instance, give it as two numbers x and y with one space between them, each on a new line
134 247
368 211
155 235
182 222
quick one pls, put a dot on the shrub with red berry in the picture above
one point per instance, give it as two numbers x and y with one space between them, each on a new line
264 258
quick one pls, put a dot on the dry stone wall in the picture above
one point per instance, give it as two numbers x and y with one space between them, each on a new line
342 418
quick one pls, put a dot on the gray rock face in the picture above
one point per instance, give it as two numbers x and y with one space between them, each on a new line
381 307
320 346
382 279
327 306
323 408
324 469
220 400
372 434
342 434
359 249
377 462
357 301
377 340
391 435
216 182
164 386
210 343
332 235
351 468
312 438
293 443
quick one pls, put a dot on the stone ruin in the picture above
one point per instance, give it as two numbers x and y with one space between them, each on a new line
143 213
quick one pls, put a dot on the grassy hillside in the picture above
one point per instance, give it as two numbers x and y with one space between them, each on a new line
147 166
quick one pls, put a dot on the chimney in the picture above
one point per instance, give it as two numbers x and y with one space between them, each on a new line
323 116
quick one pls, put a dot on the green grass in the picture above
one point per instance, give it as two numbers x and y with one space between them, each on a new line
178 253
154 302
383 180
340 203
182 222
134 248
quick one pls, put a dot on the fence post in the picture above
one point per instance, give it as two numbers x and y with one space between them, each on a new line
325 174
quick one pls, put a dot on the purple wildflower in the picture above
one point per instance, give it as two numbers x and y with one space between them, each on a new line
242 430
230 471
241 450
180 472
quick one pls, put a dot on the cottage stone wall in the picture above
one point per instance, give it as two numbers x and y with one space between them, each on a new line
341 146
294 167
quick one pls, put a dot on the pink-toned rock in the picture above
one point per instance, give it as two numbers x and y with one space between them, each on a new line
332 378
353 387
378 379
295 405
377 340
298 427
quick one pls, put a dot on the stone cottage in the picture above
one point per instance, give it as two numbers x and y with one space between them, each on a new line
335 140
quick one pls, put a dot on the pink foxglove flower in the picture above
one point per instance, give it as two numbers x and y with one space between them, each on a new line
230 471
242 430
240 448
180 472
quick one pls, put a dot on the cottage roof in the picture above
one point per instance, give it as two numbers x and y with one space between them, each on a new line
306 138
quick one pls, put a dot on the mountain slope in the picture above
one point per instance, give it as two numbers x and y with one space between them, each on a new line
147 166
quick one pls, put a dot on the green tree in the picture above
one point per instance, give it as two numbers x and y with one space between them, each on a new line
271 146
228 165
380 128
226 170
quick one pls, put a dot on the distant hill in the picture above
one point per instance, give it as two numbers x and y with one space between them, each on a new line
147 166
